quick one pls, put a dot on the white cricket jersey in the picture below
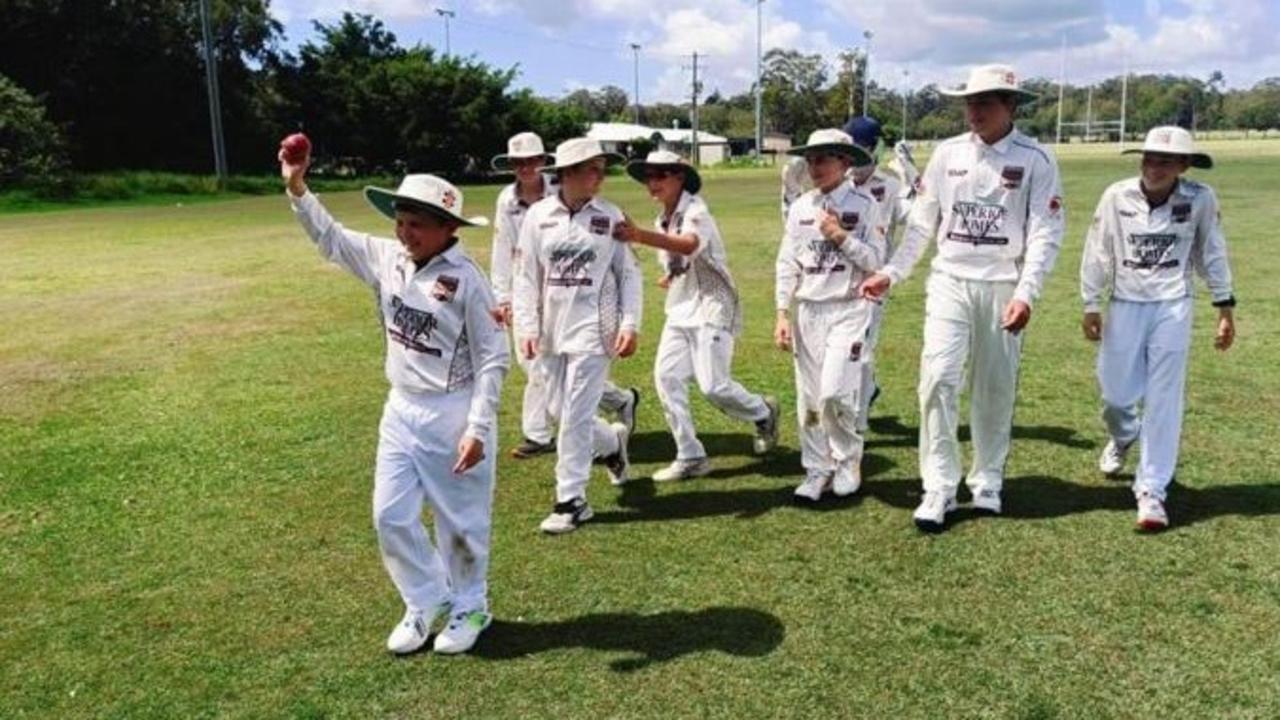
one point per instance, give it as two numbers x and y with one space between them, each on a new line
508 216
575 286
440 335
1146 254
1001 213
895 208
702 291
813 269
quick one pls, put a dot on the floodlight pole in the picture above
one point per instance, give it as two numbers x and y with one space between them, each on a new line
759 80
446 14
866 75
635 49
215 103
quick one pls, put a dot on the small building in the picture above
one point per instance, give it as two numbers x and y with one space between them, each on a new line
619 138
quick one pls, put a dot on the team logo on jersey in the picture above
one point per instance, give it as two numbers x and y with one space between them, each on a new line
599 224
1150 251
571 266
445 288
807 221
1011 176
1055 205
547 225
412 327
1128 214
977 223
855 351
957 172
826 258
677 265
878 193
848 220
1181 212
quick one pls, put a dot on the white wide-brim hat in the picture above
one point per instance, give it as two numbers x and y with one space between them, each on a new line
666 160
991 78
580 150
422 192
1173 140
524 145
833 141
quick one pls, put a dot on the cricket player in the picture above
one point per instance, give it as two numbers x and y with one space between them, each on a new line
1147 237
527 158
577 306
795 182
830 245
999 199
894 198
703 314
446 359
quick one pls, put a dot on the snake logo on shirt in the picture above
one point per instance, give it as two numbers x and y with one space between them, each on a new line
412 327
571 265
1150 251
977 223
826 258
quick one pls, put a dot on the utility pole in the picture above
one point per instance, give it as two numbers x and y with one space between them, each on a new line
849 57
1088 116
759 82
446 14
1124 98
694 149
215 102
635 49
866 75
906 90
1062 81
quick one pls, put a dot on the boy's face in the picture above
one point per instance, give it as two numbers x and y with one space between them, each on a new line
585 178
527 169
664 184
827 169
423 234
1161 171
989 113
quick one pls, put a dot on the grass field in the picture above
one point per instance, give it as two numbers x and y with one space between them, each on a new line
188 404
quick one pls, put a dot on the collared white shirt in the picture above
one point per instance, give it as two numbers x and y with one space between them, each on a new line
575 286
1146 254
701 291
508 216
1001 213
440 334
813 269
895 206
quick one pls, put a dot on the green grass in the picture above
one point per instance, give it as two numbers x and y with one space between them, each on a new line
188 409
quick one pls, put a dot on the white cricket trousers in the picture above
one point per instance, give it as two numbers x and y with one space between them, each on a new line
417 447
1143 359
535 411
869 369
830 348
962 324
703 354
575 383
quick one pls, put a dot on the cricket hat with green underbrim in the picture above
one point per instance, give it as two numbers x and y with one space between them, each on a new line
1173 140
836 142
991 78
426 193
579 150
669 161
519 147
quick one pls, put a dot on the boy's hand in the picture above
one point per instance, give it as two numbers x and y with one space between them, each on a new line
782 332
1226 329
470 452
625 345
529 348
1091 324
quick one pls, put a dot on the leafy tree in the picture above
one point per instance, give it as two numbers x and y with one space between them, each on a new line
31 147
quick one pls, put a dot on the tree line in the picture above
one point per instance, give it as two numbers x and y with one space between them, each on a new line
94 86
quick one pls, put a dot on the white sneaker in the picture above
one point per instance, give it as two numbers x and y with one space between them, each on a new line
815 483
931 515
847 479
461 633
565 517
766 438
1151 514
616 464
412 632
987 501
683 470
1112 460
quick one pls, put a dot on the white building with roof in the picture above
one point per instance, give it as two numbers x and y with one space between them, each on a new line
617 137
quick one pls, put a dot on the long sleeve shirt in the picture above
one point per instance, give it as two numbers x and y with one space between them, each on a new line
895 205
811 268
439 333
701 291
508 216
575 286
995 211
1145 254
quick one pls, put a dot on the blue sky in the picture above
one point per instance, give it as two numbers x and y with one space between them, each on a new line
561 45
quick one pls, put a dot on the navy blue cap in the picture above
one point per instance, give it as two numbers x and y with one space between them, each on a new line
865 132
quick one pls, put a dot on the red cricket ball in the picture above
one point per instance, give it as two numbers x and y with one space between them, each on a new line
296 148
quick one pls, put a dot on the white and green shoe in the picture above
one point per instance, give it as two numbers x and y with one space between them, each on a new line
462 631
414 629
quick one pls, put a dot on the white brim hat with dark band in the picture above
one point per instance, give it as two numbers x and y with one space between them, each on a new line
833 141
425 193
579 150
991 79
1173 140
520 147
669 161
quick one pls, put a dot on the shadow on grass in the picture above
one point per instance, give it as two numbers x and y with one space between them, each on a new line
889 431
641 502
648 639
